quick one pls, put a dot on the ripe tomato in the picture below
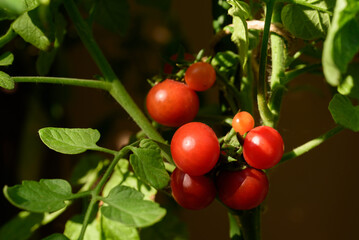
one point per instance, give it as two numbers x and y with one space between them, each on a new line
263 147
200 76
195 148
242 122
167 69
172 103
192 192
242 190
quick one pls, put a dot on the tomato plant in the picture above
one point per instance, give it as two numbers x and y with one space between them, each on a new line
118 181
263 147
243 189
172 103
242 122
200 76
192 192
195 148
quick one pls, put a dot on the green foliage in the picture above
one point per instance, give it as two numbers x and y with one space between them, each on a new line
47 195
240 12
32 30
344 113
305 22
21 226
342 41
70 141
6 81
127 206
74 225
350 84
10 9
6 59
56 236
148 164
117 231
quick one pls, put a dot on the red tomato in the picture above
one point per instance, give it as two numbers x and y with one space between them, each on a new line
167 69
242 122
242 190
263 147
192 192
200 76
195 148
172 103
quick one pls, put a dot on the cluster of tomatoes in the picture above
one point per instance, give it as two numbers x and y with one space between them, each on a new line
196 150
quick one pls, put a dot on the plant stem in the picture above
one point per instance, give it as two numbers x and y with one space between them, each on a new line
118 91
250 223
66 81
7 37
279 54
263 108
311 144
300 70
96 191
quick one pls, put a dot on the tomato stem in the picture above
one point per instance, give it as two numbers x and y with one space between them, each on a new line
298 151
263 108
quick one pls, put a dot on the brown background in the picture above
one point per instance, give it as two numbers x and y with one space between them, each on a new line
312 197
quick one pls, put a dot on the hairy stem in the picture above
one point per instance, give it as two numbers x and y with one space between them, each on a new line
263 108
96 191
300 70
311 144
66 81
279 54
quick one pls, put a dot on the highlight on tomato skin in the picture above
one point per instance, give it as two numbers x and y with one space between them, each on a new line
172 103
200 76
195 148
242 122
192 192
263 147
243 189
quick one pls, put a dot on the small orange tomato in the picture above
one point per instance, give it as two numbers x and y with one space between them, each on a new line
242 122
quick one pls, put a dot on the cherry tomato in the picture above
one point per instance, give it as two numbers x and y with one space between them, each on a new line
172 103
168 69
242 190
192 192
263 147
242 122
195 148
200 76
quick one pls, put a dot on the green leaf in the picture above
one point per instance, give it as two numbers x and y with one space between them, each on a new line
21 226
240 12
6 81
350 85
234 229
304 22
114 15
226 62
6 59
117 231
122 175
74 225
169 228
342 41
10 9
46 58
70 140
344 113
56 236
127 206
148 164
48 195
32 30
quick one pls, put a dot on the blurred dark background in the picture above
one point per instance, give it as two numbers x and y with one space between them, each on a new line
312 197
